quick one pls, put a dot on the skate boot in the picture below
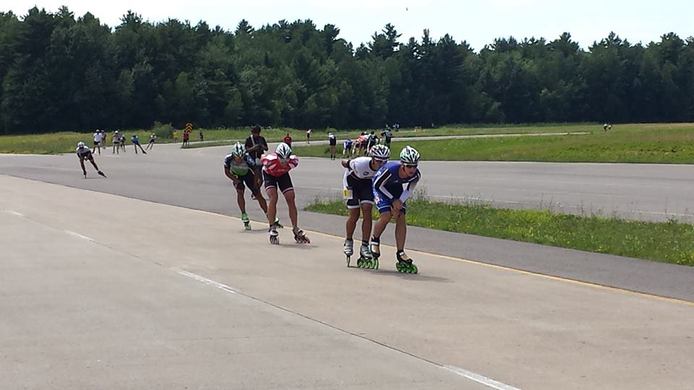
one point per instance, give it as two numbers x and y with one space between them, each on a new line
375 248
348 250
277 223
274 236
101 173
405 264
246 221
366 258
85 174
300 237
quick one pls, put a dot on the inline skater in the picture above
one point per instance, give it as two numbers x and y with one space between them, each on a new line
392 186
256 145
359 197
98 139
387 137
152 140
347 148
238 167
116 142
135 140
332 140
276 167
84 153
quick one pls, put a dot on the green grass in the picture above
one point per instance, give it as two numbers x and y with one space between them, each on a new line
632 143
668 242
64 142
635 143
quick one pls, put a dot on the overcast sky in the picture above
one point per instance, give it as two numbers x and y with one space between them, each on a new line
477 22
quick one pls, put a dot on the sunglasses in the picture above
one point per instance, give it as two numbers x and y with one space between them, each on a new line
409 165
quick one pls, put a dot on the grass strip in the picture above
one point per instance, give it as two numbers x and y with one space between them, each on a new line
655 143
667 242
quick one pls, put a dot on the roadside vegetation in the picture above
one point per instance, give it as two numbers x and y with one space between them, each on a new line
627 143
630 143
667 242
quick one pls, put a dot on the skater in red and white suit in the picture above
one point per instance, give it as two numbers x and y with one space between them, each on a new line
276 167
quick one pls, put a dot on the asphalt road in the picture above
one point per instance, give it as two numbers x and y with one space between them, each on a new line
104 291
193 178
651 192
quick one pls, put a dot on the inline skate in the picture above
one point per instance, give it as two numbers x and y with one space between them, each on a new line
299 236
405 264
348 250
246 221
274 236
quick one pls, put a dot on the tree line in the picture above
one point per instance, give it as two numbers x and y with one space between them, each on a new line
59 72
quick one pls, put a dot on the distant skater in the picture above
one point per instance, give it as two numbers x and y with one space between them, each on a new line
84 153
136 143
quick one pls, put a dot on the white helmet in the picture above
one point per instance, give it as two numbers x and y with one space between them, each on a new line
283 151
380 152
409 155
238 150
80 145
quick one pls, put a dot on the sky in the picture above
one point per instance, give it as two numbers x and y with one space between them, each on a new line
476 22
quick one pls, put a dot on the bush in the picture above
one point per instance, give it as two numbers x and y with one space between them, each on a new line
163 130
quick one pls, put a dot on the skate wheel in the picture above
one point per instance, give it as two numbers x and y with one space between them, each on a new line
398 267
360 263
348 259
414 269
375 261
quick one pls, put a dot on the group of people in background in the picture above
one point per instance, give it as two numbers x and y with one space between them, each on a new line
118 142
363 143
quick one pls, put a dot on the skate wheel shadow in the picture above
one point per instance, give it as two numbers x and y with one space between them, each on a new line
418 277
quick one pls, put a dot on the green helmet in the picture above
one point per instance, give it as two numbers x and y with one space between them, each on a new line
409 155
238 150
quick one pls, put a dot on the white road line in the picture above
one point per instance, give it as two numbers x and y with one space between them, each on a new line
456 370
15 213
208 282
79 235
479 378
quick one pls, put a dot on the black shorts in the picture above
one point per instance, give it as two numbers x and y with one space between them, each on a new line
358 191
284 182
249 179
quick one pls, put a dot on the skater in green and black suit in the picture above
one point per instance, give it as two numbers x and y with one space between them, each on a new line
238 167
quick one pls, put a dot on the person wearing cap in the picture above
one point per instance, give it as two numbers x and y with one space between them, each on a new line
256 145
115 139
332 140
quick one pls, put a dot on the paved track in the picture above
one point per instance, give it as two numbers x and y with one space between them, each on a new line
193 178
103 291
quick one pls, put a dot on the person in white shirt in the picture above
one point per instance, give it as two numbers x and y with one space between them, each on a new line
359 197
98 137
